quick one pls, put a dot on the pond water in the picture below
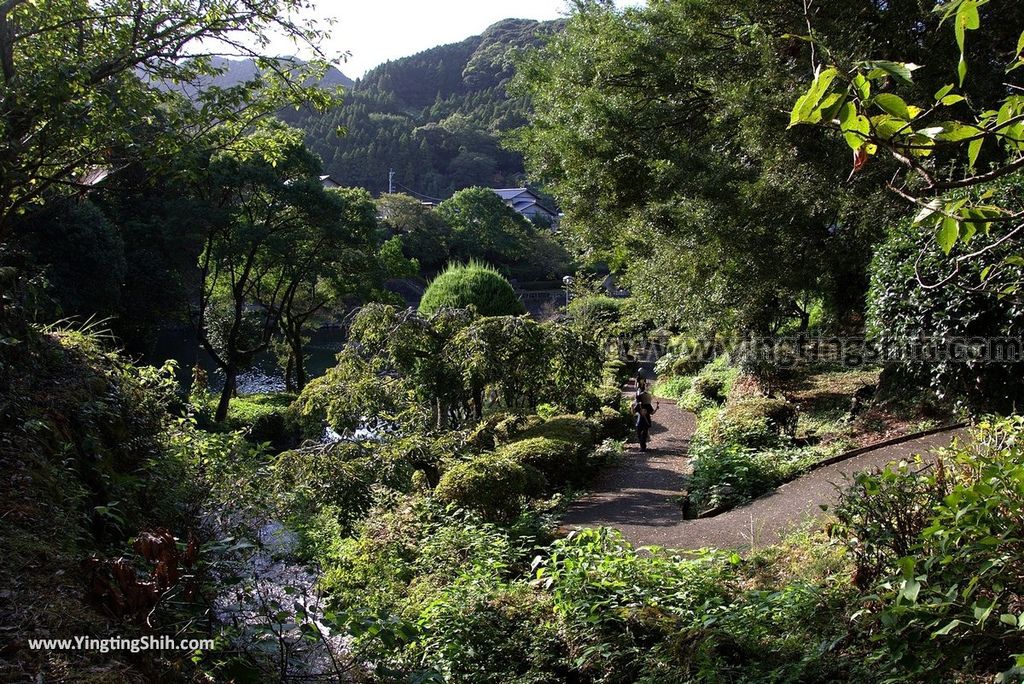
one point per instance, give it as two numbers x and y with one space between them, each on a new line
264 375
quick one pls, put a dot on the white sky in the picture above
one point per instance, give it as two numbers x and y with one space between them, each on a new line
374 31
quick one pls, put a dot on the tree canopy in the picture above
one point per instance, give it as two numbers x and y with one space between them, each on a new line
79 84
661 132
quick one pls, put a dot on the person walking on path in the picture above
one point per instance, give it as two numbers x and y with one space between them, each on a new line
643 414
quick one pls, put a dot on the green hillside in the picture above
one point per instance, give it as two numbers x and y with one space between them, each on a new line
434 117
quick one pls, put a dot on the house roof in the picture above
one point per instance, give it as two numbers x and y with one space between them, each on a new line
521 199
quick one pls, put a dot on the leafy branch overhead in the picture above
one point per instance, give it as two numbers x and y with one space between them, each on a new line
951 145
81 83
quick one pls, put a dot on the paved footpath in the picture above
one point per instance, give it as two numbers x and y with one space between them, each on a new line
638 496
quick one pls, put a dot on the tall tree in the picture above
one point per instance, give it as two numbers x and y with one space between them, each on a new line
661 132
425 235
267 204
483 227
339 254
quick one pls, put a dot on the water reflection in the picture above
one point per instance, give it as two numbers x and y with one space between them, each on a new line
265 375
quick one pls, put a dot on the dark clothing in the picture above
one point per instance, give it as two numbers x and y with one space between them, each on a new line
643 435
643 422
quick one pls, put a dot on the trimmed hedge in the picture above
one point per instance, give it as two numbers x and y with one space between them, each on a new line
575 429
493 485
561 462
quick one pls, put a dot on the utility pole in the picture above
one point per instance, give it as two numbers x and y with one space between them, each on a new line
391 181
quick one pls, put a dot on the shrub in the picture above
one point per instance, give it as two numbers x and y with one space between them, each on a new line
559 461
574 429
730 474
622 610
756 422
615 372
339 475
608 452
474 285
950 595
483 437
615 424
492 485
674 387
899 309
508 429
596 311
711 385
479 630
881 515
265 418
610 396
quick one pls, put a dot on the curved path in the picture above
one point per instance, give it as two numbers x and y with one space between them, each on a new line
637 497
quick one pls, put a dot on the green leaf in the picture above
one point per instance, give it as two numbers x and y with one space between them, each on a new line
926 212
893 104
1009 619
856 131
899 70
906 566
949 230
845 114
1020 45
806 106
945 90
795 116
973 150
961 69
947 629
952 100
862 86
955 131
911 588
968 13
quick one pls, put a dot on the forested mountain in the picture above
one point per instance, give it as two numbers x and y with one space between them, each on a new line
435 117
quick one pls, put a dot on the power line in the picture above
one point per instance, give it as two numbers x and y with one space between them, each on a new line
418 194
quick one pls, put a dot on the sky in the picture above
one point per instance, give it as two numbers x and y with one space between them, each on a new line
374 31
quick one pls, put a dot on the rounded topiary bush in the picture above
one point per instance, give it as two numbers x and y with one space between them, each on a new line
610 396
596 310
493 485
483 437
756 421
559 461
473 284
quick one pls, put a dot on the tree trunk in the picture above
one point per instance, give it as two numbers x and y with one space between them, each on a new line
289 369
225 395
478 402
300 366
805 320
